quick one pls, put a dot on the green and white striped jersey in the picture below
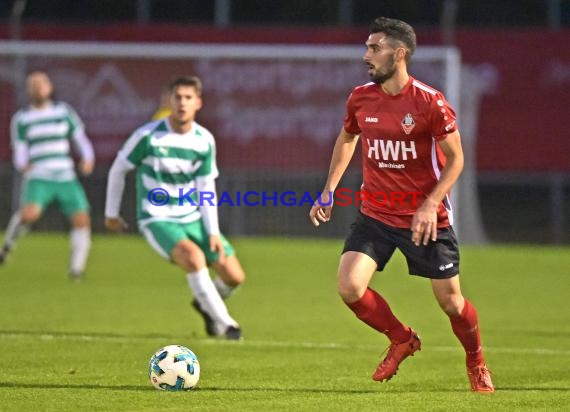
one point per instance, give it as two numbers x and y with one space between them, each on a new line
41 139
171 161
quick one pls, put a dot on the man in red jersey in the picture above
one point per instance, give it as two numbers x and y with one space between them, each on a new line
410 144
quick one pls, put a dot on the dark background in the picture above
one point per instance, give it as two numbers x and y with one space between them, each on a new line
470 13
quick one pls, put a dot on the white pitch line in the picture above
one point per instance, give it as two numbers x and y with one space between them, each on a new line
264 344
317 345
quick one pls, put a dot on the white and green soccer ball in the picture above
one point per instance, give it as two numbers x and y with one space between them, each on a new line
174 368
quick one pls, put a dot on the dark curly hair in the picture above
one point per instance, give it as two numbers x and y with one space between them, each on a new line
192 81
397 30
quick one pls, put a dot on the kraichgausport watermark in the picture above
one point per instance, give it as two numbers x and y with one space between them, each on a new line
342 197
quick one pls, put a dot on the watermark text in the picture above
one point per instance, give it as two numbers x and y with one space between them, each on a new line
342 197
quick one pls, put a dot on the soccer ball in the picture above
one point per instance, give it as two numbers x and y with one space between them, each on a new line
174 368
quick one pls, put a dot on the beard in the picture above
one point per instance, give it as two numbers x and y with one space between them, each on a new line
385 73
39 100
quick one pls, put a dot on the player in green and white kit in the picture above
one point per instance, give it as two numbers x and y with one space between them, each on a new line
42 134
177 155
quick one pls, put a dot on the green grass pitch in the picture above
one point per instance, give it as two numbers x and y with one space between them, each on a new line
85 346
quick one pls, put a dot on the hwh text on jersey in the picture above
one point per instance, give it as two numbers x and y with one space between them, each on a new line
391 150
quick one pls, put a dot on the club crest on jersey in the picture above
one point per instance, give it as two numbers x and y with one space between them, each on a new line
408 123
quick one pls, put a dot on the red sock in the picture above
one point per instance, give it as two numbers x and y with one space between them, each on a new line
466 328
373 310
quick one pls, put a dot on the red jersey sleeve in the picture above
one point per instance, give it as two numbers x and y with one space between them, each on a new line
443 119
350 122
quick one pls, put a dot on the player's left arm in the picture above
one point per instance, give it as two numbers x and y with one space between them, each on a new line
208 206
208 201
81 143
424 223
85 148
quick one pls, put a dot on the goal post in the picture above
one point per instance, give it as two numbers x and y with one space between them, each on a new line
273 108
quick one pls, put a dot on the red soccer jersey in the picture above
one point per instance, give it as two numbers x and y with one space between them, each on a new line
401 158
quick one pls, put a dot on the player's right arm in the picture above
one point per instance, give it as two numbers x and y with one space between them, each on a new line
128 158
20 153
115 188
342 154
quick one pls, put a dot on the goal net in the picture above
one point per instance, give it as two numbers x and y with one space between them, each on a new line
275 111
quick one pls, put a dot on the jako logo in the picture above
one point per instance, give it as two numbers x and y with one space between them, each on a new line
371 120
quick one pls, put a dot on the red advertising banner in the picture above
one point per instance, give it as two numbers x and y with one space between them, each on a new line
525 85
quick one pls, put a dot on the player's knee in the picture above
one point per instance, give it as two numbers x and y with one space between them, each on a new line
194 262
237 276
452 305
189 257
350 290
230 271
236 280
30 214
81 220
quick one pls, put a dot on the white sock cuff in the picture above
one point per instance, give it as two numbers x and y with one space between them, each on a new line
206 294
196 279
14 231
80 239
80 231
223 288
